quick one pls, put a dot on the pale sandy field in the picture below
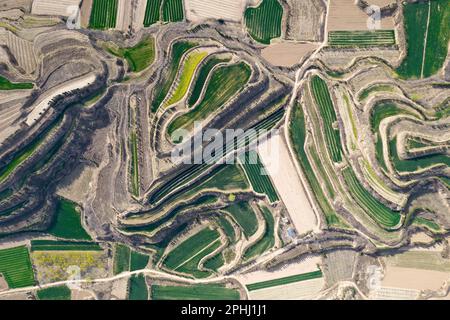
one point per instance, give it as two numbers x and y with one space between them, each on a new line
230 10
53 7
85 13
123 15
286 54
276 158
303 290
3 284
44 103
309 264
345 15
417 279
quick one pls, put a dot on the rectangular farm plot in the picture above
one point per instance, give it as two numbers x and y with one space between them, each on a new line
346 15
258 175
276 158
194 292
230 10
302 286
172 10
152 12
54 7
15 266
103 14
361 38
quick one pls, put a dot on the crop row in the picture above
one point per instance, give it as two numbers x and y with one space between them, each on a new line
361 38
264 22
258 175
15 265
104 14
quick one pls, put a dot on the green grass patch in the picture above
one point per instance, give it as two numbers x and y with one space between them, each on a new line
268 239
364 94
438 35
103 14
5 84
361 38
376 210
226 226
138 261
121 258
285 280
258 176
427 223
138 288
225 83
263 23
15 266
194 292
215 262
139 57
54 293
244 215
67 223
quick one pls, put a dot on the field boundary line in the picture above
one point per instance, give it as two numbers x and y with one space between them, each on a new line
425 40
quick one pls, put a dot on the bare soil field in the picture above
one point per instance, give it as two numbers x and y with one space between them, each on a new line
346 15
309 264
16 4
85 12
417 279
44 103
305 20
302 290
275 156
3 284
124 12
12 14
139 14
22 50
53 7
286 54
230 10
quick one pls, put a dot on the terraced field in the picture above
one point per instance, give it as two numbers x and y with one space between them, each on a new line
414 164
380 213
193 292
152 12
258 176
15 265
427 27
298 137
225 83
323 100
268 239
134 164
5 84
361 38
186 76
264 22
205 70
244 215
103 14
186 256
178 50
